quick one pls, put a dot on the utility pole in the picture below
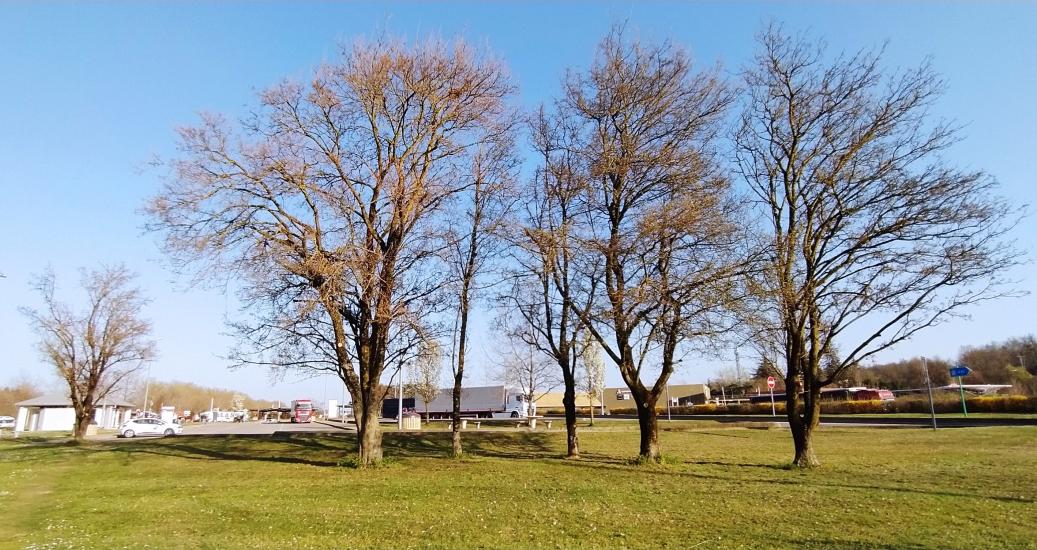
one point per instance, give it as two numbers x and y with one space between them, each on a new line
399 408
929 386
738 368
668 403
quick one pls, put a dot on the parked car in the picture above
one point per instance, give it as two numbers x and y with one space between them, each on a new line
7 422
149 426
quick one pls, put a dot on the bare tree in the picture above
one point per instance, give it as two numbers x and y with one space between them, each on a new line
593 374
546 287
528 370
870 235
659 213
488 200
94 351
427 372
330 208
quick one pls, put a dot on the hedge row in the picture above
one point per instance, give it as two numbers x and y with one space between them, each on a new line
913 404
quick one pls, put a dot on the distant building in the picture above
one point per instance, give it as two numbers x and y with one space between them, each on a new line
680 395
54 412
552 402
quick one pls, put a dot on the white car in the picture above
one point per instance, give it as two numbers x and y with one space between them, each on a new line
6 422
149 426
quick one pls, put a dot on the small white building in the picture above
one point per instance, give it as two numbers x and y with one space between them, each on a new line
54 412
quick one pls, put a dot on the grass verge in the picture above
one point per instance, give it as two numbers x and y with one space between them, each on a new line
717 488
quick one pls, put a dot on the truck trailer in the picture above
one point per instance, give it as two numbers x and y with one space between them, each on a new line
478 402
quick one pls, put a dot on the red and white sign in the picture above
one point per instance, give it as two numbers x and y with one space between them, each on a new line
770 382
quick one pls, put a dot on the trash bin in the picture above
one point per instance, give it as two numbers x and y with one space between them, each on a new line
411 421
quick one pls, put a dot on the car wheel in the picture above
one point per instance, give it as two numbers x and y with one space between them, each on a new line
128 433
169 433
514 414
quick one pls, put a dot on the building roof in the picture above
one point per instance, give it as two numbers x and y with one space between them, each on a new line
62 400
620 397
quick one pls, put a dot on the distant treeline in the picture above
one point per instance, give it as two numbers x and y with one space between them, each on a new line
182 395
1013 361
195 398
13 394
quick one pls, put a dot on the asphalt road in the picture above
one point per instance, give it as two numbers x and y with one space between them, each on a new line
253 428
256 428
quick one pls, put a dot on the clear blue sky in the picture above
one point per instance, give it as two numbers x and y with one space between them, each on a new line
90 93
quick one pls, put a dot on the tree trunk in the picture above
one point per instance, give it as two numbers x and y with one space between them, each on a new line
649 425
82 421
462 342
455 431
369 437
569 401
592 411
803 425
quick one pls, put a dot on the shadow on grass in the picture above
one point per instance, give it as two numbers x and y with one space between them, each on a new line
226 447
328 450
812 478
845 544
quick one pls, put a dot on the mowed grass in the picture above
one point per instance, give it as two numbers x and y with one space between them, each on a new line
720 487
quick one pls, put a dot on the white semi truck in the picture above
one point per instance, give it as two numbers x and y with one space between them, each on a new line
477 402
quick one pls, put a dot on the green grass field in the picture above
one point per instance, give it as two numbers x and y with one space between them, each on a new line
718 488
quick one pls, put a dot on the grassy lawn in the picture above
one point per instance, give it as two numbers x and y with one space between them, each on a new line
719 488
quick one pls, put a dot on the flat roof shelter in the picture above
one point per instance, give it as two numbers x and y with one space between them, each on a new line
679 394
54 412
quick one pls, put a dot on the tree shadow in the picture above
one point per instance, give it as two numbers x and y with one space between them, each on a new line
205 447
815 481
522 446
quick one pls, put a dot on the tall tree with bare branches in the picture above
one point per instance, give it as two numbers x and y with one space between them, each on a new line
657 210
330 206
96 350
488 198
870 236
547 289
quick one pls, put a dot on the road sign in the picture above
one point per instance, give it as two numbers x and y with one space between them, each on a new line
770 382
960 371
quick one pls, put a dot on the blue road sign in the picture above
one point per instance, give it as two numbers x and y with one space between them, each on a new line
960 371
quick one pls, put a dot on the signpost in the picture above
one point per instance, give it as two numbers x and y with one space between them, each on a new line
958 371
770 385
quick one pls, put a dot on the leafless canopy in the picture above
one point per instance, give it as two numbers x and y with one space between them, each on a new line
331 204
94 351
657 222
869 232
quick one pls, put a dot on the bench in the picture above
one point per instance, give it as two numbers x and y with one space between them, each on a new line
465 422
525 422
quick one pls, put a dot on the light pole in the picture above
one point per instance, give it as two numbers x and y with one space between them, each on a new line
399 408
668 403
929 386
147 388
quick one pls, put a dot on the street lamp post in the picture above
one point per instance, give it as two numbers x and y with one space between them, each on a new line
399 408
929 386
